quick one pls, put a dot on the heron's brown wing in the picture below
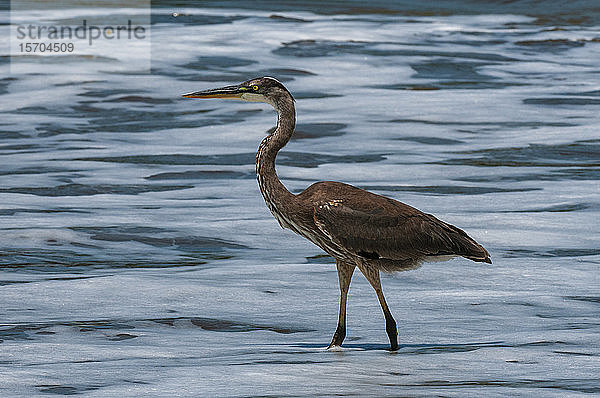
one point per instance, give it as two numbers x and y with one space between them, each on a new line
409 235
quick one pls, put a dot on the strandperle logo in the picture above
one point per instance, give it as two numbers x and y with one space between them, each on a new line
57 36
81 32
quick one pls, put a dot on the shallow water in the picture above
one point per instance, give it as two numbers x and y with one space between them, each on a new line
138 257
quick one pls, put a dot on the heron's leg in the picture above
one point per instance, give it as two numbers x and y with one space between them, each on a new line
372 275
345 272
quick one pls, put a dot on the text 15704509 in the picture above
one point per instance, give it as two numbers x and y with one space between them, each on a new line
33 47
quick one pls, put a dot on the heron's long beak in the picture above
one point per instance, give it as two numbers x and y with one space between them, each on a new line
233 92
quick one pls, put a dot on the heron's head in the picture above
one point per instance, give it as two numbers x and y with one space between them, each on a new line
262 89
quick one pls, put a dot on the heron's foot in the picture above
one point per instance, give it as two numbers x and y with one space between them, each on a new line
338 337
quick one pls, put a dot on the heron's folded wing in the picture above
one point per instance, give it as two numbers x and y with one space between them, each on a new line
372 234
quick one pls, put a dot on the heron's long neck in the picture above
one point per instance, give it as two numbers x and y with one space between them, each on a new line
275 193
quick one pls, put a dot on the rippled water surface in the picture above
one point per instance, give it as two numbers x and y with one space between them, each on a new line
138 258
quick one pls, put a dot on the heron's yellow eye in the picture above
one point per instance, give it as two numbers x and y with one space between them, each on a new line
255 88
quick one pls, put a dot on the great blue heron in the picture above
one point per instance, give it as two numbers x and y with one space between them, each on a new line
356 227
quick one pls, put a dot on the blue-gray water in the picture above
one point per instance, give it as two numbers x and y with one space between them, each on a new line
138 258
